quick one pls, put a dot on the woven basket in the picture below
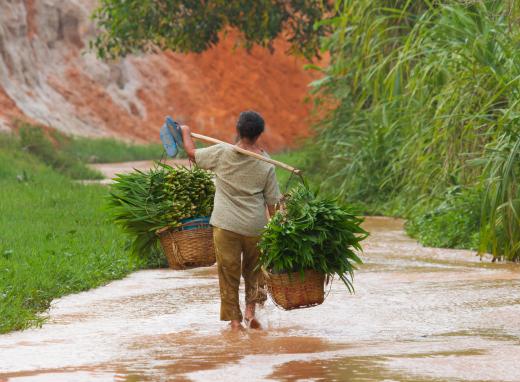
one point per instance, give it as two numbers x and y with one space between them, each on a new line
289 291
189 246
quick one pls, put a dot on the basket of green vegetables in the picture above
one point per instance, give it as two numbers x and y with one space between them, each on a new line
306 243
167 207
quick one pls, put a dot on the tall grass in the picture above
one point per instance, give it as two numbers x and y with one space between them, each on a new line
501 208
427 99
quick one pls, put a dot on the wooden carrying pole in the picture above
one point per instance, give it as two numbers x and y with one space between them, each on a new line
246 152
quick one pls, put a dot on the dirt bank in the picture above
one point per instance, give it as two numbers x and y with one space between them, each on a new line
49 76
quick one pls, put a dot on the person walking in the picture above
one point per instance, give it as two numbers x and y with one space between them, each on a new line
246 195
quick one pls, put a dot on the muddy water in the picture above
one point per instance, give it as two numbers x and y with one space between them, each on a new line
419 314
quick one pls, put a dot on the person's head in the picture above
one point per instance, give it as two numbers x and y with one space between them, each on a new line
250 125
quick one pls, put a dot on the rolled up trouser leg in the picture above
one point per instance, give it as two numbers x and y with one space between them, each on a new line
228 249
253 277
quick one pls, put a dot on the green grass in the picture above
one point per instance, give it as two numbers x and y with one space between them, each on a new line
55 238
108 150
70 155
63 151
36 142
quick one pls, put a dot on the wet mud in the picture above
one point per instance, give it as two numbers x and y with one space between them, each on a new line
419 314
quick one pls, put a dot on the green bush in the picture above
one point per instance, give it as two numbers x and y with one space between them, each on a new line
451 222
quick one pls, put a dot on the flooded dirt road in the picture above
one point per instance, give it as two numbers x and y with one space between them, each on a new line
418 314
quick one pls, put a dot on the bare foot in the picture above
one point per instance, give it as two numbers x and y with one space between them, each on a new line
254 324
236 325
250 311
250 319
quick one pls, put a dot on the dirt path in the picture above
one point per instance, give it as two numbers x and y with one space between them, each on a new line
419 314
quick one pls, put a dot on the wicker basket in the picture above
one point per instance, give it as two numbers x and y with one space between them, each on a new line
189 246
290 291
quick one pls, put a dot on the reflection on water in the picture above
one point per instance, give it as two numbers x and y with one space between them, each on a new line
419 314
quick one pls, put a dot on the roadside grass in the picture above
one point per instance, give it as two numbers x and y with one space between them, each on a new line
109 150
36 142
429 115
450 221
55 238
64 152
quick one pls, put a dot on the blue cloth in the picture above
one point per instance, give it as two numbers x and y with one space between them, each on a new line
168 141
171 137
175 129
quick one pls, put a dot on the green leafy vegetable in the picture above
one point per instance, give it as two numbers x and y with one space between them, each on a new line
144 202
313 233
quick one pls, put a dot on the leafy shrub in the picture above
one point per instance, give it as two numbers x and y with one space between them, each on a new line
127 27
454 222
312 233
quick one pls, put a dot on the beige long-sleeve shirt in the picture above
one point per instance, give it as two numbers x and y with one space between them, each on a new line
244 186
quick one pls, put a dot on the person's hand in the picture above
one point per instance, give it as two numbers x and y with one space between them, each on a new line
189 146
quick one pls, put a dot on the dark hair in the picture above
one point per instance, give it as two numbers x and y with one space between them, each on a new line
250 125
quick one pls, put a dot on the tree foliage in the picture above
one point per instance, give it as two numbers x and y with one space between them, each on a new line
128 26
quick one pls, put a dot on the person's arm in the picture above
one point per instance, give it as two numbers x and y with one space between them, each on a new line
272 193
206 158
189 146
271 209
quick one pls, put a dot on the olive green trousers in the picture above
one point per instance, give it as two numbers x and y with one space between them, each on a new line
237 255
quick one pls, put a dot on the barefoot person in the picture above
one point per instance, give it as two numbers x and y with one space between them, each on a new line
245 187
